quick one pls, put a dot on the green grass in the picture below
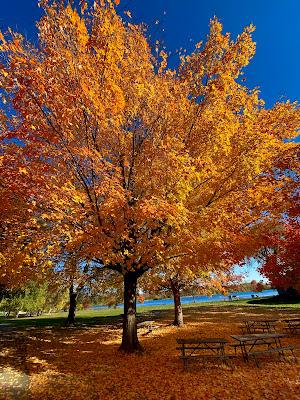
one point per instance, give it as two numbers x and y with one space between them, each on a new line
114 315
83 317
273 301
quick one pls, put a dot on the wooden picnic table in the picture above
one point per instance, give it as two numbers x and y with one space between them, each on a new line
293 325
258 325
204 348
253 345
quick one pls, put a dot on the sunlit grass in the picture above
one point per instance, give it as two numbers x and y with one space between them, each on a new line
114 315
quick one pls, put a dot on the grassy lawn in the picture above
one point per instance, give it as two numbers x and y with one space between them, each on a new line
113 315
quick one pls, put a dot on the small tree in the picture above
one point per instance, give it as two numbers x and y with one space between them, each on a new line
30 298
178 279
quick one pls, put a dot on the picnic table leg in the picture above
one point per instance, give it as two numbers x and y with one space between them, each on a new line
294 329
183 350
248 329
185 360
278 345
224 358
256 361
277 342
185 364
295 358
244 352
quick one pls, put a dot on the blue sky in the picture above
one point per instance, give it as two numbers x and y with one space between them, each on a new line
275 67
249 271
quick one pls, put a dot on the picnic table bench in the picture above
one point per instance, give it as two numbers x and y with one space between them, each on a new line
265 343
205 349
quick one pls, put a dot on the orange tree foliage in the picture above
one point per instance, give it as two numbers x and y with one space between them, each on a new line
128 160
15 186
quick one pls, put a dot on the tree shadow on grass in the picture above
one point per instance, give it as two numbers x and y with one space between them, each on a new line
276 300
80 321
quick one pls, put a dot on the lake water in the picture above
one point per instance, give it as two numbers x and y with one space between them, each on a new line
202 299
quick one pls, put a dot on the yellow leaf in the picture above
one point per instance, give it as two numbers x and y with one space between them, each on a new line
23 170
2 37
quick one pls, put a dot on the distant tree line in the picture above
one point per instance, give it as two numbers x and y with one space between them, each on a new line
33 299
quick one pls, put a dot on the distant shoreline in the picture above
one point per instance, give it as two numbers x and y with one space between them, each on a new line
201 299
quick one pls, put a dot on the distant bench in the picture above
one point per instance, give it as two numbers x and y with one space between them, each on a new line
150 325
233 297
22 314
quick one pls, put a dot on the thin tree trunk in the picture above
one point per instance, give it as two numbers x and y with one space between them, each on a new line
178 314
72 306
130 342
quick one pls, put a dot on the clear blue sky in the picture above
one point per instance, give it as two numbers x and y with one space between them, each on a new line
275 67
249 272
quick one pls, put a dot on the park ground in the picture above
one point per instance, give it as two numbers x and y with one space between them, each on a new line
41 359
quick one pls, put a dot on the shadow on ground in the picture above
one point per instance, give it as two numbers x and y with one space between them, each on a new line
83 362
275 300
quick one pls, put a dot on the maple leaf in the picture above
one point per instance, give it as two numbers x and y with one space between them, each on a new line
128 13
23 170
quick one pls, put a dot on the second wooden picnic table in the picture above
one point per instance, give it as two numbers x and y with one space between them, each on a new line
293 325
261 325
253 345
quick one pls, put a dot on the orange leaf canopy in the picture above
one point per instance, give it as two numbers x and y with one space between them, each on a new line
126 160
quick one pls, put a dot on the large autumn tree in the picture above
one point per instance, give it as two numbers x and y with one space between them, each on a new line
133 162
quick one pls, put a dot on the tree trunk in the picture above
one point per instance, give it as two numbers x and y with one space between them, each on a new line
130 342
72 306
178 314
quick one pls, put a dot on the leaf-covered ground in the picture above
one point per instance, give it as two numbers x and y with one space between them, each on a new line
84 363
